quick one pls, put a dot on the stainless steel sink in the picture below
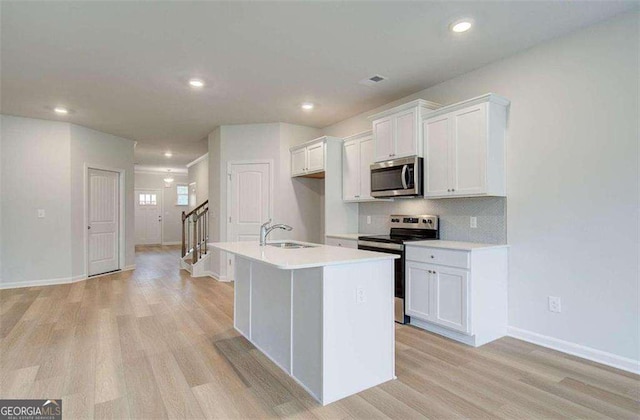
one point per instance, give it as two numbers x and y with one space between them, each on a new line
290 245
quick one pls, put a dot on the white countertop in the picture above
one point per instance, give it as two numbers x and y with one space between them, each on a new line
292 259
460 246
351 236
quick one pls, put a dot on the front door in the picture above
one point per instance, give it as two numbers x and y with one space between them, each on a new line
249 203
103 222
148 217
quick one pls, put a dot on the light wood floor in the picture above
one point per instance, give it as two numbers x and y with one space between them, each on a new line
155 343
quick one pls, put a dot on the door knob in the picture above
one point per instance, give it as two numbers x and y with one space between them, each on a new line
88 227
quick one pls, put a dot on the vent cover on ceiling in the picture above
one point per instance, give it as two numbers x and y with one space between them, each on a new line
373 80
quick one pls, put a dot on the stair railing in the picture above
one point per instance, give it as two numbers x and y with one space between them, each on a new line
195 232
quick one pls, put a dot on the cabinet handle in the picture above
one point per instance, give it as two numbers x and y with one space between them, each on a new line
453 189
448 190
432 256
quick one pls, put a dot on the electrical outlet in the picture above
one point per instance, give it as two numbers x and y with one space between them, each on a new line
555 304
41 214
361 296
473 222
368 220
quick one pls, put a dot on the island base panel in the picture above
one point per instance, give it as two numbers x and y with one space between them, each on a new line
331 328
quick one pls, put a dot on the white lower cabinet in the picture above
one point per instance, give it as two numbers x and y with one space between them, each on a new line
461 294
438 294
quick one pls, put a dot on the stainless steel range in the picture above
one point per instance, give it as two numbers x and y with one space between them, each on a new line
403 229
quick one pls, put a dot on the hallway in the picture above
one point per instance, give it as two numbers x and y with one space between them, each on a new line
156 343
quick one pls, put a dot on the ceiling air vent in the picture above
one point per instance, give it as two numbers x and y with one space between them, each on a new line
373 80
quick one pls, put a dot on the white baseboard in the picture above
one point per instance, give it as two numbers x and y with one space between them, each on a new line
60 280
218 276
37 283
599 356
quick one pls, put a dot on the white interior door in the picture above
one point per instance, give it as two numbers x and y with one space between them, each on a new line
249 204
103 221
148 217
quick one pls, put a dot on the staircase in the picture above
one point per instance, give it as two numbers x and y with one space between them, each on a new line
195 234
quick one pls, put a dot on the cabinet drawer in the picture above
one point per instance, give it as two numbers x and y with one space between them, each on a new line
438 256
345 243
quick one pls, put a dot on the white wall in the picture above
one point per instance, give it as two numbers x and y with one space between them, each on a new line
35 175
572 206
43 164
296 202
102 151
172 213
199 173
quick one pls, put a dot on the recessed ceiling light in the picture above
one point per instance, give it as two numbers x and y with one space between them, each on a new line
60 110
168 154
307 106
461 25
196 83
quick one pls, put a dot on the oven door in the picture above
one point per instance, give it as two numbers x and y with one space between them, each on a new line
397 178
398 271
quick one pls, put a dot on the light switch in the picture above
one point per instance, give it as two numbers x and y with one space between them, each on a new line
40 213
368 220
473 222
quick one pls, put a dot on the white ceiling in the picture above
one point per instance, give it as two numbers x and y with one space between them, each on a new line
122 67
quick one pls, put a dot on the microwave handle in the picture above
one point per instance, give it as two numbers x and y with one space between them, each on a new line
404 176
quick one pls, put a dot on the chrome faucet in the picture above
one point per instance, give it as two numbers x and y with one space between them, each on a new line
265 230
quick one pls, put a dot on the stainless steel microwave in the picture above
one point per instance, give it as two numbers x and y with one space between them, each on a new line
397 178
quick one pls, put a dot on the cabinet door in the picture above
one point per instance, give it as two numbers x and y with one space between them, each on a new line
406 134
419 300
383 139
366 159
315 157
298 161
450 289
469 150
351 170
436 133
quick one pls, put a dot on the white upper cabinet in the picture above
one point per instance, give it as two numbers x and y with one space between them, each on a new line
357 156
351 170
397 131
298 161
315 157
383 132
464 148
436 146
407 140
308 159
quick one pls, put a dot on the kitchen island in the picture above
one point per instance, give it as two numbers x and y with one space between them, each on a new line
323 314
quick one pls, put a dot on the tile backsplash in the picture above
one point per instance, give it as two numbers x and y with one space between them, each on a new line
454 216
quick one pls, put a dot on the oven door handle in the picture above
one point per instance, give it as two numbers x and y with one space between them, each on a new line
381 245
404 176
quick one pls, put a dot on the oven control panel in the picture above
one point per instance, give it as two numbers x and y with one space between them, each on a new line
424 221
